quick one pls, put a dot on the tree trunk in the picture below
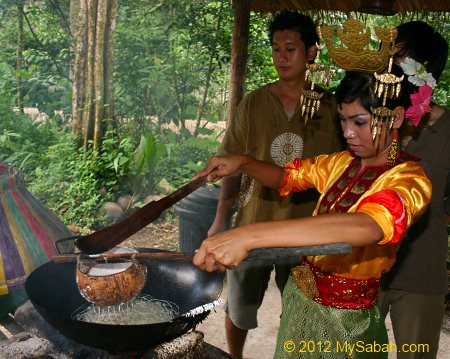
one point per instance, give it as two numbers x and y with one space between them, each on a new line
88 120
92 102
110 36
73 16
19 64
79 69
99 58
177 85
74 7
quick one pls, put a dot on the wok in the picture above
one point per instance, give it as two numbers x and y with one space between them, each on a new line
53 291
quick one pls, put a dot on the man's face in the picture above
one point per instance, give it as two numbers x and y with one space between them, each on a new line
289 55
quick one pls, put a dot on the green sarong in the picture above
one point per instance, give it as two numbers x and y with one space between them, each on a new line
311 330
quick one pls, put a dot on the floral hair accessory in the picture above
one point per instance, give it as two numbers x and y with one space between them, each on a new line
420 104
417 73
420 101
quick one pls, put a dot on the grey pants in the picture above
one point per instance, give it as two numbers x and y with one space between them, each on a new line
416 321
246 286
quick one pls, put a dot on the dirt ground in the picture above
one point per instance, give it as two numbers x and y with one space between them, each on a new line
260 341
159 234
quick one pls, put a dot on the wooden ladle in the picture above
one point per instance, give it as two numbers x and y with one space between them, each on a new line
109 237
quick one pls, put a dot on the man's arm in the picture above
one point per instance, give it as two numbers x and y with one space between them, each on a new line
229 191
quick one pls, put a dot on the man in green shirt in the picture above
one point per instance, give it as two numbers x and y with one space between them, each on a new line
268 125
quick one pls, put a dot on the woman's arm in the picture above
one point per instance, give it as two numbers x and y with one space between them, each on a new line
228 249
268 174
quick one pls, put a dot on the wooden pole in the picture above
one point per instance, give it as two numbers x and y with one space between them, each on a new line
239 47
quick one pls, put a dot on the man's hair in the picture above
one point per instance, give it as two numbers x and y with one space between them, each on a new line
294 21
418 40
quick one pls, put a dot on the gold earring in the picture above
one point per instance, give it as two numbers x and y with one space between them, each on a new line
393 150
315 73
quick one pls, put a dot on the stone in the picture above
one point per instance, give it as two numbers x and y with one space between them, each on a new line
164 186
30 320
20 337
32 348
151 198
187 346
125 201
112 210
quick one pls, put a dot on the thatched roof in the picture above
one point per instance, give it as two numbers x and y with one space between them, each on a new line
382 7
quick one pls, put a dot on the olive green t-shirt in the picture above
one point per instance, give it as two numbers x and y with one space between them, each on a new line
261 128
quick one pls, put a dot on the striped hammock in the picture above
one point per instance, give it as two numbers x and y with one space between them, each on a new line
28 231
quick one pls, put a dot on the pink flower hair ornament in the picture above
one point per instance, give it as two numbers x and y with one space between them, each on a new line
420 101
420 104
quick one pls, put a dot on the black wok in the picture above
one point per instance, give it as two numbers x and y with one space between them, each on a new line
53 291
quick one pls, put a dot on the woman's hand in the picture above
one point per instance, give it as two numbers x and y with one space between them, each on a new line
222 251
222 166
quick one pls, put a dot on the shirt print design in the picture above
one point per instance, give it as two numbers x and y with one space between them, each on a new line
285 148
246 190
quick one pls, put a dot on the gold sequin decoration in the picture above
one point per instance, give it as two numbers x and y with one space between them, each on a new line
358 189
331 196
346 202
323 209
343 183
246 190
353 172
305 281
369 174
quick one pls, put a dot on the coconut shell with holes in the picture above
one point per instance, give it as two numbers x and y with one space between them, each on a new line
106 284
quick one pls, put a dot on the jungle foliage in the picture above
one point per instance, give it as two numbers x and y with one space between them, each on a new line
171 79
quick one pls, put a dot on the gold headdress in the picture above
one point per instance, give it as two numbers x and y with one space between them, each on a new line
356 56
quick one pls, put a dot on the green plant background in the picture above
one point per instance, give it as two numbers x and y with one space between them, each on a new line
172 62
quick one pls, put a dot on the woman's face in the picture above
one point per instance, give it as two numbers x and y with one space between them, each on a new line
355 123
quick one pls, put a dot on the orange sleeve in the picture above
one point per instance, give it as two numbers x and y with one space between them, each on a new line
388 210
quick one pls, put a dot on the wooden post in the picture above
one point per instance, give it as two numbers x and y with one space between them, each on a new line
239 47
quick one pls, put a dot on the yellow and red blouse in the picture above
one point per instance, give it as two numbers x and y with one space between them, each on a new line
394 197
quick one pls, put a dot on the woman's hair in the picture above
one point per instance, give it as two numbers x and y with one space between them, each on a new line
418 40
289 20
356 86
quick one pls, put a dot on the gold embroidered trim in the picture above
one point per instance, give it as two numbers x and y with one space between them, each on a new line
304 279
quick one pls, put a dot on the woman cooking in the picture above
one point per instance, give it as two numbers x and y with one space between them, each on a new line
370 195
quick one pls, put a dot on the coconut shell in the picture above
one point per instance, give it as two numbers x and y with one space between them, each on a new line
112 289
